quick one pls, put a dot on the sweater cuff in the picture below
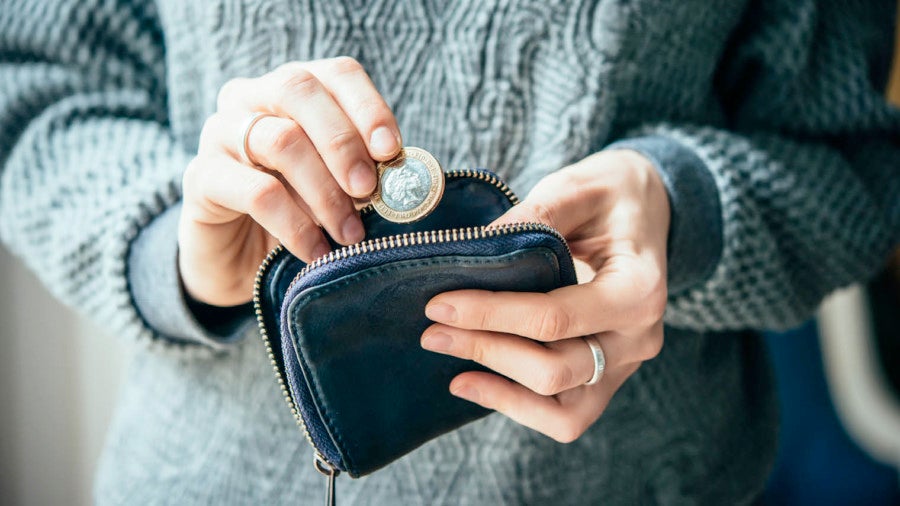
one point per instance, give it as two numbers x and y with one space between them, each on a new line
160 297
695 230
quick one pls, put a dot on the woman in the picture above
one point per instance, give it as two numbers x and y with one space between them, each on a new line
719 166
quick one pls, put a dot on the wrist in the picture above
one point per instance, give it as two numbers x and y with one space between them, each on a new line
209 272
646 175
156 286
694 242
638 181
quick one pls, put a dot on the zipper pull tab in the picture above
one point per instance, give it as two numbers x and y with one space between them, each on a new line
330 472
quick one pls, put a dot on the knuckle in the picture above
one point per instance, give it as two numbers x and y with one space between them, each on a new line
543 213
647 299
563 180
225 93
485 317
342 140
190 175
651 346
374 111
207 133
552 324
568 431
284 140
553 380
654 301
659 299
264 192
331 198
563 177
210 122
656 308
345 65
288 68
478 352
300 234
298 82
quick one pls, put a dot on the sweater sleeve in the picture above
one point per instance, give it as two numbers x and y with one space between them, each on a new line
88 162
805 170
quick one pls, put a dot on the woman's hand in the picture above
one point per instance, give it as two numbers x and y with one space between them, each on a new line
317 151
614 212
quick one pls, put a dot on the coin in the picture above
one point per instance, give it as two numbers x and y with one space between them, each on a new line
409 186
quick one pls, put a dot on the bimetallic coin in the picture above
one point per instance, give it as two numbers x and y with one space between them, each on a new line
409 186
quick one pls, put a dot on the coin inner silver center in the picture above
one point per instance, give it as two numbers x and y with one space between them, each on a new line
405 187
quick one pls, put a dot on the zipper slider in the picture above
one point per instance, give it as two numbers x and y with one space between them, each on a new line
330 472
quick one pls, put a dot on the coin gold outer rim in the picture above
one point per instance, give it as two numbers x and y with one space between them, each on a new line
435 192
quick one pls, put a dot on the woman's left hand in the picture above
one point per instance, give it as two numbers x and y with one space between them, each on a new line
613 210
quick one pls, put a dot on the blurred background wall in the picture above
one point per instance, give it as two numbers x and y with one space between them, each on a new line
58 382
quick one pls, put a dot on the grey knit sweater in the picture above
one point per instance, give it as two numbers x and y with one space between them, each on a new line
765 118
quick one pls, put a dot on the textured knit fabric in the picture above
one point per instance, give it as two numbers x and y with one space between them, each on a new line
769 113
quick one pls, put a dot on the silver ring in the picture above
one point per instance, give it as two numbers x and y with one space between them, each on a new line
599 359
244 144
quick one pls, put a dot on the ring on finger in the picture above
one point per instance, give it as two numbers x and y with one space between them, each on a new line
244 144
599 359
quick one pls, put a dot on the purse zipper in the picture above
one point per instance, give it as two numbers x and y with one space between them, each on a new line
419 238
320 463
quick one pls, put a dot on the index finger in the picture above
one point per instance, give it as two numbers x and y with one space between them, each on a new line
295 92
353 89
613 303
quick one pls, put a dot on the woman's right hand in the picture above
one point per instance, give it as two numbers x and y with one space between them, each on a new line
315 154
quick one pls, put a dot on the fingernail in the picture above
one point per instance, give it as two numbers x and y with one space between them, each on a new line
468 393
352 230
321 250
440 312
362 179
437 341
384 142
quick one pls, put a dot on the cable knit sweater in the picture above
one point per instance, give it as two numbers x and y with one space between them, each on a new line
765 119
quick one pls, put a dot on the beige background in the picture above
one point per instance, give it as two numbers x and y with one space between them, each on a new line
58 382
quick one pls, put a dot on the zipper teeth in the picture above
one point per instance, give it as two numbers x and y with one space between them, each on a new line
264 333
407 239
419 238
473 174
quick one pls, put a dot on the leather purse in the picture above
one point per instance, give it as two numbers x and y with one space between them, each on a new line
343 332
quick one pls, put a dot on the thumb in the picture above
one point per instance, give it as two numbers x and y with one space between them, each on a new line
558 200
529 211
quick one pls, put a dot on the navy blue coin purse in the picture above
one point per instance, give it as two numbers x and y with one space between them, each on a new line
343 332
